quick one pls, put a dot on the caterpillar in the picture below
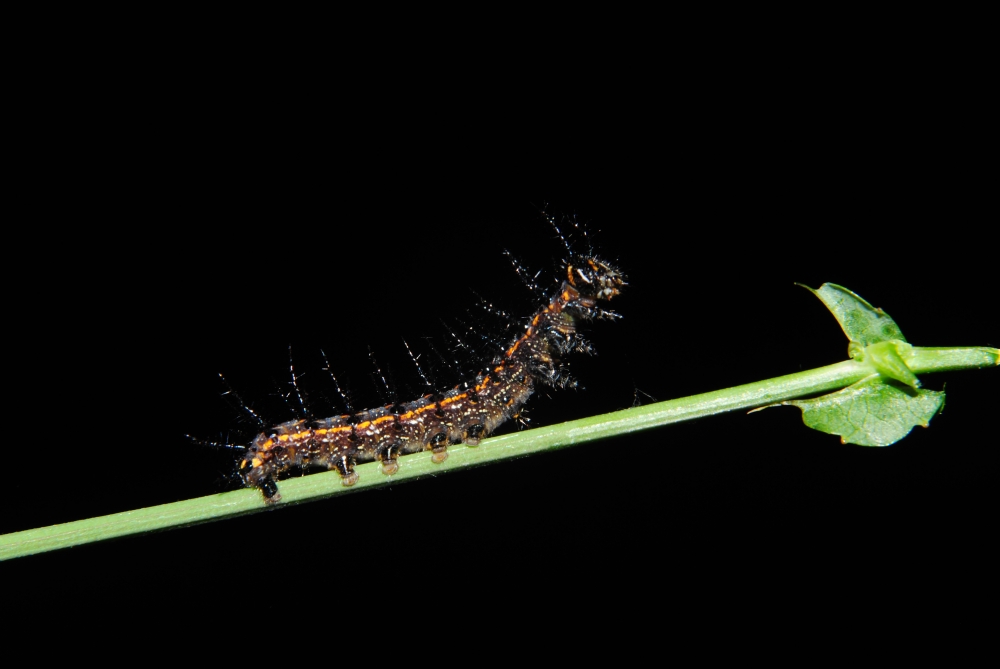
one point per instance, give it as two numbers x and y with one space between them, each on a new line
465 414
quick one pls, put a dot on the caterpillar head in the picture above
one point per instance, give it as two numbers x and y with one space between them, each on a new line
595 278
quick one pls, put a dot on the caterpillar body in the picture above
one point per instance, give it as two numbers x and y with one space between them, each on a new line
465 414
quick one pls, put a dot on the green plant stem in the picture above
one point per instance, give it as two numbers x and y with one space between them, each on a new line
318 486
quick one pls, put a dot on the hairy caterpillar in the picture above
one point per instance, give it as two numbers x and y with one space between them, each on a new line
465 414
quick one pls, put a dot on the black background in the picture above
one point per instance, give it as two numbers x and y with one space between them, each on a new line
175 245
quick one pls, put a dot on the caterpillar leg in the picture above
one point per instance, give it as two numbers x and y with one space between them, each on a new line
388 458
473 434
345 466
439 446
269 489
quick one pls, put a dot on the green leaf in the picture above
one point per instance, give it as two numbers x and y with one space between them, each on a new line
861 322
872 412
